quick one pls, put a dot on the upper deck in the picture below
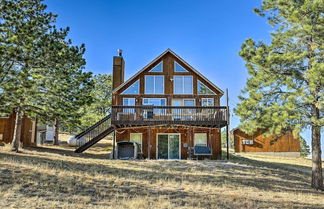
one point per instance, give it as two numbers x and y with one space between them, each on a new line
135 116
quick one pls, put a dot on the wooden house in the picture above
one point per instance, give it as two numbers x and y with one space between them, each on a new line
257 143
28 130
168 107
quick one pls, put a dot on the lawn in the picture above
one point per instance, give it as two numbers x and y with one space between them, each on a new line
55 177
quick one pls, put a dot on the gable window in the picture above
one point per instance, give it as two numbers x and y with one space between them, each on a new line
158 68
179 69
182 85
154 84
200 139
203 89
132 89
136 137
207 102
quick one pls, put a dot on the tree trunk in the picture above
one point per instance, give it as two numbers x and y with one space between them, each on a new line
56 131
317 175
17 131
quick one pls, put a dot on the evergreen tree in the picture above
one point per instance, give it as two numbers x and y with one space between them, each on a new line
304 147
285 88
40 71
100 107
64 87
230 140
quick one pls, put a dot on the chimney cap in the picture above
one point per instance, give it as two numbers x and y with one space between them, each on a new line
120 52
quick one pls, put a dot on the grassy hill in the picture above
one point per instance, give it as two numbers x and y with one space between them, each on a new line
55 177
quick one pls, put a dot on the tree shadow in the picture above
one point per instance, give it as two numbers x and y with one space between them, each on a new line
285 181
66 152
133 186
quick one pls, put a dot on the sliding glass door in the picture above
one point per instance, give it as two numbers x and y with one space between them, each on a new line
168 146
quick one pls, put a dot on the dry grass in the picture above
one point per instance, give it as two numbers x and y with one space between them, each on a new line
54 177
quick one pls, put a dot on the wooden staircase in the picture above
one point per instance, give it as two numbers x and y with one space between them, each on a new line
94 134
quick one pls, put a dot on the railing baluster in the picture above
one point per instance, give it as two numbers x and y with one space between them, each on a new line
195 115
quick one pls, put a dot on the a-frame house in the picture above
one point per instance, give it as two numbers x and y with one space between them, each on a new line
168 108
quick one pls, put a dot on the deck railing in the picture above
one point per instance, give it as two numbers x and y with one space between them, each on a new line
155 115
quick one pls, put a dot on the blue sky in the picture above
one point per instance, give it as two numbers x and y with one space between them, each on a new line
208 34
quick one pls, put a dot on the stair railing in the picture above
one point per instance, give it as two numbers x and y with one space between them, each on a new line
93 130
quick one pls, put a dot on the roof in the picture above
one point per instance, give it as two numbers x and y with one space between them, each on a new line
177 56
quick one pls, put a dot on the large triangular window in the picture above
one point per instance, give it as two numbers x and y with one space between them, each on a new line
132 89
179 69
203 89
158 68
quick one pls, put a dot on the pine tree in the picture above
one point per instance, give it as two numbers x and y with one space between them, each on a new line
304 147
100 107
41 73
64 87
285 87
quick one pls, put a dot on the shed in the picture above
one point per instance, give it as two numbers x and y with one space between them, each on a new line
278 144
28 130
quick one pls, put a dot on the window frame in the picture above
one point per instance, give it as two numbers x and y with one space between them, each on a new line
154 98
150 71
141 134
247 142
174 68
183 84
198 81
202 101
138 88
200 134
129 110
154 76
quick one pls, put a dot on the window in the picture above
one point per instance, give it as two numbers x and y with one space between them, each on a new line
247 141
183 102
157 68
154 84
204 90
128 102
182 85
136 137
179 69
207 102
133 89
154 101
200 139
183 114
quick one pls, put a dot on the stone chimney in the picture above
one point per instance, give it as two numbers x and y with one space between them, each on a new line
118 69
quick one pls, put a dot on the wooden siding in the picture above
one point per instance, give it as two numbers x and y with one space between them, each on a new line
149 135
168 72
7 130
274 143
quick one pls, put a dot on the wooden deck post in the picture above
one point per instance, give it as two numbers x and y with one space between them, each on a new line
227 124
149 144
114 146
190 142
